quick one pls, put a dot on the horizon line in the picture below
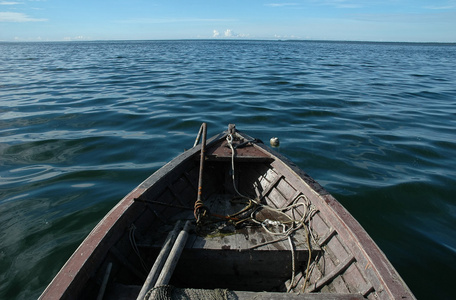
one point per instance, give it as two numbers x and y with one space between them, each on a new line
226 39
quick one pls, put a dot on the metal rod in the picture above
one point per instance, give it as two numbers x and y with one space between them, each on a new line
199 209
203 150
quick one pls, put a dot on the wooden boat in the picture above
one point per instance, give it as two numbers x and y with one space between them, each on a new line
256 227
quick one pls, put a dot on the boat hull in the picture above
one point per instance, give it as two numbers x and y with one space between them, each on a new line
292 237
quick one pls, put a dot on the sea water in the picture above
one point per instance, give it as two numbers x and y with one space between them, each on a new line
83 123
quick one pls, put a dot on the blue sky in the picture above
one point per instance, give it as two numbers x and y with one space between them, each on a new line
365 20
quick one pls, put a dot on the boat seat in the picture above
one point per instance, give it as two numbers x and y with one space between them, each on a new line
241 295
243 154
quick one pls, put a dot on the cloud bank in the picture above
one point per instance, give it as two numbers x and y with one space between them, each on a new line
18 17
9 3
228 33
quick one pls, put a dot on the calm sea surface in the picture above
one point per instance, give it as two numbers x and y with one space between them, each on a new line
82 123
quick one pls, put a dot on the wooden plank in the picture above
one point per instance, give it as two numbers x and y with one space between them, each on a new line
288 191
243 295
325 238
300 240
242 239
245 270
271 185
356 281
214 242
265 180
256 237
276 197
340 268
248 153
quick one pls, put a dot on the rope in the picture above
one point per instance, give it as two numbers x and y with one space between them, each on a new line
290 226
309 260
200 211
293 273
308 213
131 236
229 139
293 225
163 203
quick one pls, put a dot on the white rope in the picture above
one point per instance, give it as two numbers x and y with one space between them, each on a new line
293 273
229 139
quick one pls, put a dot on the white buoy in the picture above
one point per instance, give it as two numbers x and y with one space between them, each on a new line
274 142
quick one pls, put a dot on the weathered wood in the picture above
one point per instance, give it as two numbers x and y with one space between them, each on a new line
331 275
242 295
243 154
270 186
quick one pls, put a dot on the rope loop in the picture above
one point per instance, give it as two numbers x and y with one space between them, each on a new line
200 211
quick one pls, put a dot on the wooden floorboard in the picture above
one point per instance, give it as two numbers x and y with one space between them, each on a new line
241 295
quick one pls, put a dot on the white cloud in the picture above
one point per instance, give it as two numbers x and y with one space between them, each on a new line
293 37
75 38
231 34
9 3
215 33
17 17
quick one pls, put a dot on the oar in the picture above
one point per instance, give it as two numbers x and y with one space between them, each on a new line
160 261
173 257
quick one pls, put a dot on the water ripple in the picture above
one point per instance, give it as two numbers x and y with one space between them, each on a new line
81 124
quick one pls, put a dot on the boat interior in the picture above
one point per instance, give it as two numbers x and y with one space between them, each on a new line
263 231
